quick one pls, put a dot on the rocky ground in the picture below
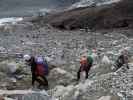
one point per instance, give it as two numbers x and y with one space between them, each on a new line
63 49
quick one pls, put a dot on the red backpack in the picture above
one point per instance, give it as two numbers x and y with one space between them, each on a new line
42 67
40 70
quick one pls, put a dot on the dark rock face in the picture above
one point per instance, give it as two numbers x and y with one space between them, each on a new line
117 15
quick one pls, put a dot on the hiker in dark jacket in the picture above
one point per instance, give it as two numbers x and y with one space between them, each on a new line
30 60
122 60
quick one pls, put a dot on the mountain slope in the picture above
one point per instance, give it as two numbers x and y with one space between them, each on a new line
85 3
27 7
114 15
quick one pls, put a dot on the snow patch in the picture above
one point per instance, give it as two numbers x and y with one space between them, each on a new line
12 20
108 2
85 3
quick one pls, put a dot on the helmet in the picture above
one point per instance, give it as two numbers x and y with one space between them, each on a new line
27 57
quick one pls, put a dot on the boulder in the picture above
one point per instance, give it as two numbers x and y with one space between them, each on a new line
59 76
109 98
10 67
105 60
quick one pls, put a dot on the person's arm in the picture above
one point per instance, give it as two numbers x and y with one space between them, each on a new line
33 65
33 70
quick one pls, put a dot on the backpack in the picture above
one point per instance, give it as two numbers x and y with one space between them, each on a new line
90 59
42 66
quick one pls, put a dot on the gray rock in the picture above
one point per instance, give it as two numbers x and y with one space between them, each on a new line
109 98
26 95
59 76
35 96
8 67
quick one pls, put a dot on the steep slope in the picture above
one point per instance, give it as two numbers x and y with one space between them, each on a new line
116 15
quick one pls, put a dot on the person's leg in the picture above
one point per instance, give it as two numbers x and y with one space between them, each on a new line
127 66
33 79
88 67
86 71
45 83
42 81
78 73
120 65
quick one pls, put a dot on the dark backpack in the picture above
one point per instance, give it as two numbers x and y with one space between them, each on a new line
42 66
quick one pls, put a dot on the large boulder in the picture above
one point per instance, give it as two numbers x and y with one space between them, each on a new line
8 67
59 76
11 67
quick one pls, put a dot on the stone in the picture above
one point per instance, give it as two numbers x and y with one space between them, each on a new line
109 98
59 76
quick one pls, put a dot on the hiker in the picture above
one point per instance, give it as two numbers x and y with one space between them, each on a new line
40 78
85 65
122 60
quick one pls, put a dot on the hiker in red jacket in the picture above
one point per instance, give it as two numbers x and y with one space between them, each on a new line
41 79
83 67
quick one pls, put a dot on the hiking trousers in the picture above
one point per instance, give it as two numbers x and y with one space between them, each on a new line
40 79
85 68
